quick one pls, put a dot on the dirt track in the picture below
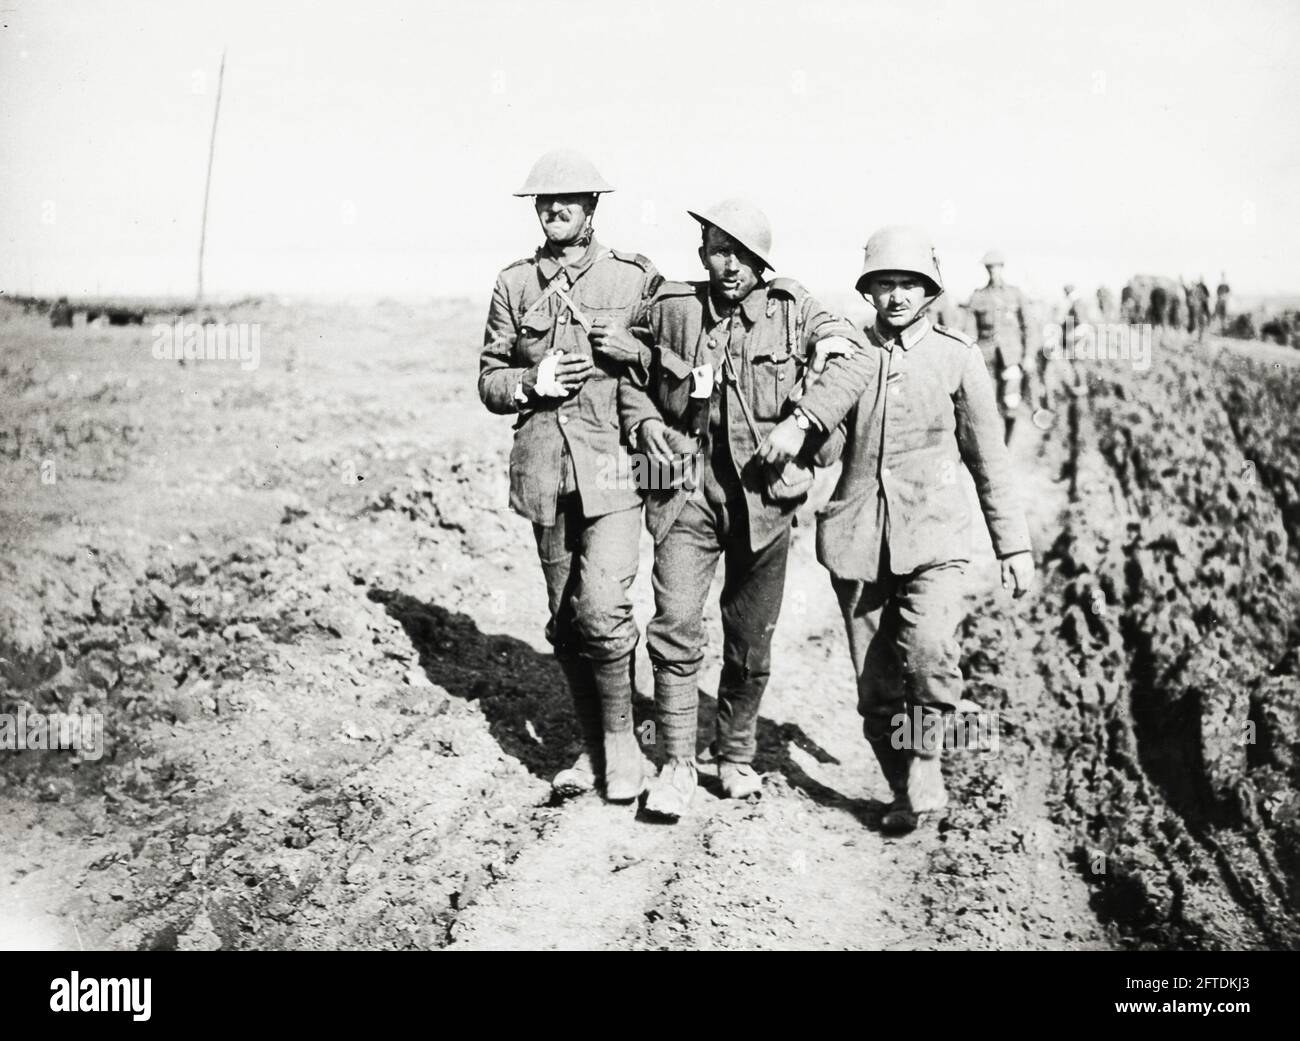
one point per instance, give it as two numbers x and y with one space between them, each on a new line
316 636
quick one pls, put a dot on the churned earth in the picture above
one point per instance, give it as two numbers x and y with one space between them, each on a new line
314 632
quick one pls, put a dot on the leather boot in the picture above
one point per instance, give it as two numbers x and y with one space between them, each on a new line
924 797
626 772
925 790
893 765
673 791
677 700
739 780
582 776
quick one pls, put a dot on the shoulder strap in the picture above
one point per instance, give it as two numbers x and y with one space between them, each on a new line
558 289
578 316
730 366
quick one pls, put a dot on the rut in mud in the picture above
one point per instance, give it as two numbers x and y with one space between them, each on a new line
1180 674
331 718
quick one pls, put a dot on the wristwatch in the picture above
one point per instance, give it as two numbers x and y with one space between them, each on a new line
801 419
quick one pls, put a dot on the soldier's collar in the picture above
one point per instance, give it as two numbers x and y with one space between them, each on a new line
752 307
907 339
549 267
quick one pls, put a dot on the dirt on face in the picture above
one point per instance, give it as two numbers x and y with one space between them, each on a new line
313 629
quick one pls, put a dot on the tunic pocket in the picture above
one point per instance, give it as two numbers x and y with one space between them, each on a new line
672 386
534 336
774 379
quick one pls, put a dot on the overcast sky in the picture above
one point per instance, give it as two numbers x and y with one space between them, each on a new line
373 147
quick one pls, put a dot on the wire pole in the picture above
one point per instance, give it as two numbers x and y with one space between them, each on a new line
207 184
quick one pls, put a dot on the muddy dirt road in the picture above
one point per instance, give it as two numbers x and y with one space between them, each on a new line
315 634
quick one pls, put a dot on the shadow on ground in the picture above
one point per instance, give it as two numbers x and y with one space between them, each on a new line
523 696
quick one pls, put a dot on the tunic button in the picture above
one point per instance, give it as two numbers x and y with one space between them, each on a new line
564 318
564 419
780 375
884 472
713 343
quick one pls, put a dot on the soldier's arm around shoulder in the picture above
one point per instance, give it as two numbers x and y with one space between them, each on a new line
635 405
980 439
639 319
846 377
816 322
497 375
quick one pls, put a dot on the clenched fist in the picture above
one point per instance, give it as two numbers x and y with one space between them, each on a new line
611 338
783 443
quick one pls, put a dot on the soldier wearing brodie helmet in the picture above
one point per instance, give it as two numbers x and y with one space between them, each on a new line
555 346
896 535
729 358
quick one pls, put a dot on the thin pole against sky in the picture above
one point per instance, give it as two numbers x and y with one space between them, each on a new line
207 184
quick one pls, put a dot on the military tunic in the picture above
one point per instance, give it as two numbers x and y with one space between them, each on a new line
897 532
768 336
586 528
529 317
1009 341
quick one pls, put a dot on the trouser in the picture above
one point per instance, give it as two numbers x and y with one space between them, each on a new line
1015 378
686 559
589 564
1062 374
903 640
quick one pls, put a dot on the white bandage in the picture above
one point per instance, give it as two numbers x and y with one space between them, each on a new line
702 381
824 350
547 385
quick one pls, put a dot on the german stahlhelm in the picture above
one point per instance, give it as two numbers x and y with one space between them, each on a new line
901 248
564 172
744 222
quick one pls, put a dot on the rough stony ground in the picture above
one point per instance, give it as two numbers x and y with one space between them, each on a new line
315 633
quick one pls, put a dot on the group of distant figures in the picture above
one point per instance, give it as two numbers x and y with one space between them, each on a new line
63 313
1168 303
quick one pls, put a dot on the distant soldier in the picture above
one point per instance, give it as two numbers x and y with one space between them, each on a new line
729 354
896 534
1198 307
1062 372
61 314
1076 312
1105 304
1159 308
1221 295
555 346
1008 341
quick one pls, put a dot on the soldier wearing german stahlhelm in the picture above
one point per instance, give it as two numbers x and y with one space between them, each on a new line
730 356
555 346
1008 339
896 535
